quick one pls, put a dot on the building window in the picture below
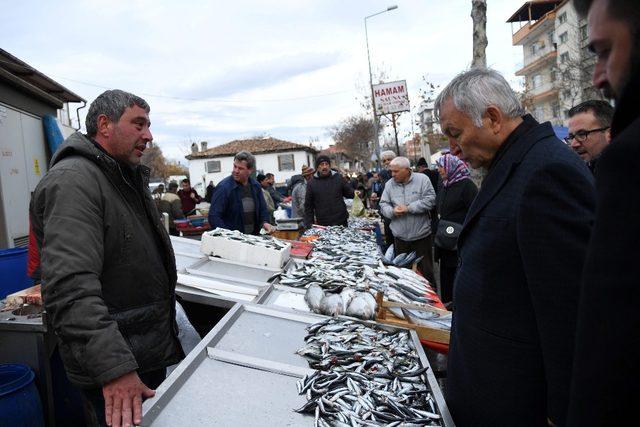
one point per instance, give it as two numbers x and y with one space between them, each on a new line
555 108
552 76
562 18
584 32
564 58
564 37
536 81
213 166
551 34
286 163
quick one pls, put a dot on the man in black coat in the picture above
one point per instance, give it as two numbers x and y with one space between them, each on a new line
521 252
606 378
324 199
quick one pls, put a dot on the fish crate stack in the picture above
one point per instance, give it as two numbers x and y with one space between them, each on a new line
235 246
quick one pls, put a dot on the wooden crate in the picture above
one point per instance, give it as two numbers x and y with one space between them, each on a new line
424 333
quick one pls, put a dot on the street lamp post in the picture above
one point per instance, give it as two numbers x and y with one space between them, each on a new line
373 104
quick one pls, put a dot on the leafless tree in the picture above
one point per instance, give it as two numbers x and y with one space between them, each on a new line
355 135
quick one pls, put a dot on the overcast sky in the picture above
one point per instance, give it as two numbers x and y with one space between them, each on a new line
219 71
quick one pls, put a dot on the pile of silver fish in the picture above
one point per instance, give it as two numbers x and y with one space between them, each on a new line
365 376
329 286
331 276
359 222
264 241
344 244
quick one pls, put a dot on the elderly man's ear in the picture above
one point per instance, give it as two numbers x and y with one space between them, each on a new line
495 119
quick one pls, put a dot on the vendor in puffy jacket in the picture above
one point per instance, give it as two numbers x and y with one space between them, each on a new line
324 199
108 269
238 203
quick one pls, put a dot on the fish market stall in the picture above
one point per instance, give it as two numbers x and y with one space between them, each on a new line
251 368
346 274
216 281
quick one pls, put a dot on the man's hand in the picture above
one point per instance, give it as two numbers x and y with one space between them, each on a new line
400 210
123 400
193 196
267 227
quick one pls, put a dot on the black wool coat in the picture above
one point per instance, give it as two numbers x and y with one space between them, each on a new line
521 252
324 200
606 382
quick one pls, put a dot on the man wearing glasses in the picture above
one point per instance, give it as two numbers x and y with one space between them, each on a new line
589 133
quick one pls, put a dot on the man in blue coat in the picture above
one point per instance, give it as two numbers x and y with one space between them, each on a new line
521 252
238 203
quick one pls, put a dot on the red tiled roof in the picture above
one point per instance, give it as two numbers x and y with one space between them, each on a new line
254 146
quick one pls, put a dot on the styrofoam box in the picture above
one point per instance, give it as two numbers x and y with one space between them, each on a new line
235 250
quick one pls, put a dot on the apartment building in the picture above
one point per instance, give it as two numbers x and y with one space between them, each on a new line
557 65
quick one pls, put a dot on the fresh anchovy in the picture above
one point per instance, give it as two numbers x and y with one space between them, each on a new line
344 244
366 376
264 241
362 223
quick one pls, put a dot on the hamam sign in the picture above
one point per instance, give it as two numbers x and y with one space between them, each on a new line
391 97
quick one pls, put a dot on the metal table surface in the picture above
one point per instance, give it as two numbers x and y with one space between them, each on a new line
275 295
244 373
239 272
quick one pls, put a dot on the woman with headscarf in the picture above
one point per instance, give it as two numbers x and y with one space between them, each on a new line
452 202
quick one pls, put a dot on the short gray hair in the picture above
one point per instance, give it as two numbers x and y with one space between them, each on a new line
245 156
387 155
401 162
474 90
112 104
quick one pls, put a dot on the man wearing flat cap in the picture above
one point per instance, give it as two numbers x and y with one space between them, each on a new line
324 203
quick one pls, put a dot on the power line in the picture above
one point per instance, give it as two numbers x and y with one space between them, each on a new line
221 100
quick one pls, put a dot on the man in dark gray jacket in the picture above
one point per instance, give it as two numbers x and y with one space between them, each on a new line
108 269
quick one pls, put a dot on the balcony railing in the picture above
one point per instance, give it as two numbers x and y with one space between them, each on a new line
531 26
539 61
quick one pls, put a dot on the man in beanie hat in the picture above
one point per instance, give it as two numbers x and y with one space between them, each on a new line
324 197
299 192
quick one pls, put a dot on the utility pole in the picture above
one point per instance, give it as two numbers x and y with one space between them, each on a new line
373 103
395 132
479 17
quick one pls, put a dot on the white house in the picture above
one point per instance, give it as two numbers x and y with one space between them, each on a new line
281 158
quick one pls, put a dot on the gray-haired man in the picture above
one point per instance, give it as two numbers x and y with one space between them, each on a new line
521 251
108 270
406 202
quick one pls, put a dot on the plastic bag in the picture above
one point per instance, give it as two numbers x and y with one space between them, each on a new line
357 207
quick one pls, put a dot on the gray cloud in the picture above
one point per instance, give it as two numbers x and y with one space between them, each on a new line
261 74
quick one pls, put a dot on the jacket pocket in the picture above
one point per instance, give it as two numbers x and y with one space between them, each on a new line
148 331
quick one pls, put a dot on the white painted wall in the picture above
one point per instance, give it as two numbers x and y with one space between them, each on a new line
265 163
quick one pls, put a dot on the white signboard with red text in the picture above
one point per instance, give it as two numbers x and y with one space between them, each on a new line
391 97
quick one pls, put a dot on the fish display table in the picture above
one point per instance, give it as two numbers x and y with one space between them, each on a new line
245 372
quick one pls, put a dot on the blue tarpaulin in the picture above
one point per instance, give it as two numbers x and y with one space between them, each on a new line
52 132
561 132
